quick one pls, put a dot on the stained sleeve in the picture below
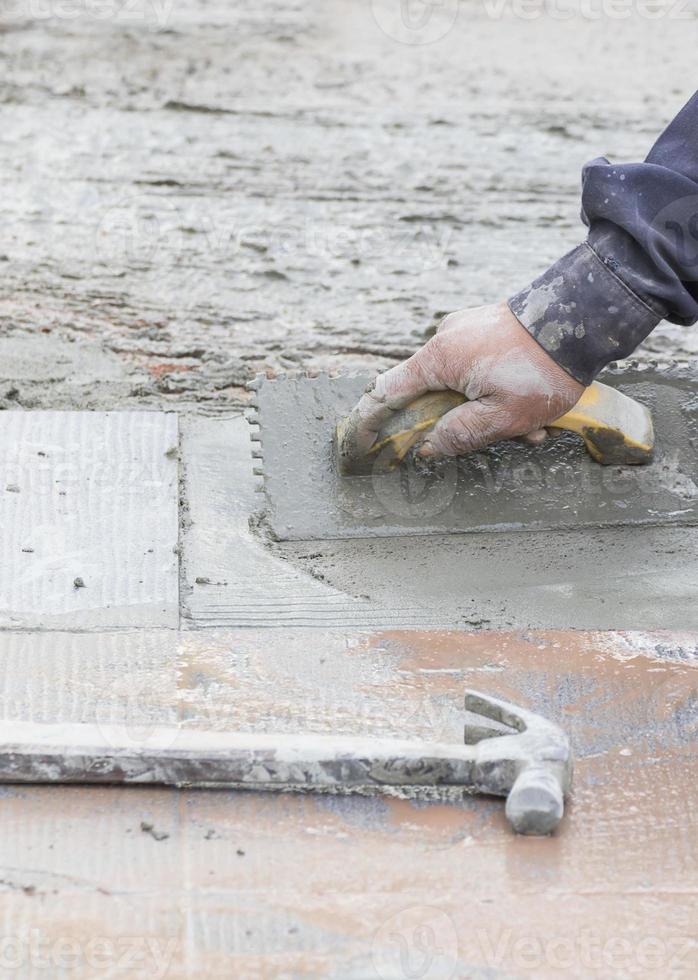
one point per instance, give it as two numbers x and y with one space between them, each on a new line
639 264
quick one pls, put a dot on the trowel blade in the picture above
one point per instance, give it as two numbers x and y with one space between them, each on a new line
506 487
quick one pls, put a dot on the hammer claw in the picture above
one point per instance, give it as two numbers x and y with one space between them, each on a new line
531 767
495 709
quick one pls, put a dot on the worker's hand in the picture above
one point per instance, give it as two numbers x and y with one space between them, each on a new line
513 387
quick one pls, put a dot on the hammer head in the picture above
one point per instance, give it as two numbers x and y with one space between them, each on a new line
532 767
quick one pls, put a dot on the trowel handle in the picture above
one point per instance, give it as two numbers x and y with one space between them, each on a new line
615 428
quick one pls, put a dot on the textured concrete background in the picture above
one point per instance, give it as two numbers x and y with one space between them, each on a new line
192 192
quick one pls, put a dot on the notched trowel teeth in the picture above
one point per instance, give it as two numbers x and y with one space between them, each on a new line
251 414
304 433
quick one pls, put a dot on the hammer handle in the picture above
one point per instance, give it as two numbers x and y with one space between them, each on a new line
92 753
109 754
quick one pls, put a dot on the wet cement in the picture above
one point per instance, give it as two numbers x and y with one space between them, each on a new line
235 575
266 186
200 192
228 574
508 486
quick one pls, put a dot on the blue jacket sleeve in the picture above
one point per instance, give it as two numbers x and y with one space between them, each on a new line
639 264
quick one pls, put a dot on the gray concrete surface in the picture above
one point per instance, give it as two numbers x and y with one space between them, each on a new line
230 577
92 498
88 519
506 487
193 193
613 578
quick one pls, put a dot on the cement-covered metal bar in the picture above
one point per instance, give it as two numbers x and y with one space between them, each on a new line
532 768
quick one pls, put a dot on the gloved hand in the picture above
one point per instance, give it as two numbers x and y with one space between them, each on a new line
514 388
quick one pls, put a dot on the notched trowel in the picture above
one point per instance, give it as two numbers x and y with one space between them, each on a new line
320 483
